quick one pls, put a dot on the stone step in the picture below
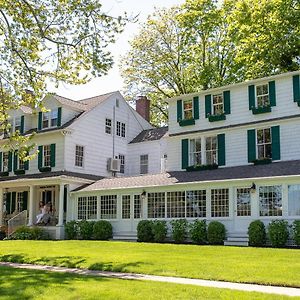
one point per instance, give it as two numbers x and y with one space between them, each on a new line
125 236
236 243
237 239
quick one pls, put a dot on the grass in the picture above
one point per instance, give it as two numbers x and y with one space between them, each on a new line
28 284
252 265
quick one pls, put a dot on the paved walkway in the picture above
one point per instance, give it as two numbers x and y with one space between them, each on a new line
199 282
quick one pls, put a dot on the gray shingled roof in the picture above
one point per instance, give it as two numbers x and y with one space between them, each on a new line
287 168
93 101
71 103
147 135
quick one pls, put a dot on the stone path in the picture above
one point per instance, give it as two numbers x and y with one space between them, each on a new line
287 291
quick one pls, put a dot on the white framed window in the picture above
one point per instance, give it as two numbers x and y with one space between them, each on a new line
17 124
21 164
87 208
46 118
144 164
20 200
218 104
108 126
125 206
195 152
211 150
219 203
243 202
294 200
187 109
50 118
46 156
5 161
196 204
270 200
262 95
264 143
108 207
79 156
123 129
175 204
137 207
54 118
122 163
156 205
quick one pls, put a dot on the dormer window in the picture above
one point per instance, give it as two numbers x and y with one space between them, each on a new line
187 109
18 124
262 95
50 119
218 104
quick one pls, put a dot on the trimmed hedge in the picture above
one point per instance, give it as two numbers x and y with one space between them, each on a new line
257 233
71 230
198 232
29 233
179 230
159 231
278 233
296 232
144 231
102 230
216 233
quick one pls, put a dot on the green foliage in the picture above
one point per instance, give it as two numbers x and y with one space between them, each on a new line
71 230
198 232
144 231
296 232
179 230
216 233
257 233
159 231
85 229
102 230
29 233
278 233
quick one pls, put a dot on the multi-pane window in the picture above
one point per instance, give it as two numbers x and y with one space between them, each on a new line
46 156
137 207
218 104
125 206
156 205
219 203
46 118
262 95
270 201
87 208
175 204
243 202
196 204
108 207
79 153
54 117
294 200
18 124
188 109
122 163
108 126
5 161
211 150
264 143
21 164
50 118
144 164
121 129
195 152
20 199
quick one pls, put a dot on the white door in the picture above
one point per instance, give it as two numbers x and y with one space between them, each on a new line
242 209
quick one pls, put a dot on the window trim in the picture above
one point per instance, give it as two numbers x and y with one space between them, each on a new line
193 153
213 105
43 156
191 109
262 95
216 150
263 144
50 114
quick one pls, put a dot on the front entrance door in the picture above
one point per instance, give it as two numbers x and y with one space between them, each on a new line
242 209
47 195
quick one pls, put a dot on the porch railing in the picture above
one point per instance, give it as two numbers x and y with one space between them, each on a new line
17 221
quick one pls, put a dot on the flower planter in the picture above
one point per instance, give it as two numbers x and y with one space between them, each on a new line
45 169
202 168
187 122
215 118
264 161
261 110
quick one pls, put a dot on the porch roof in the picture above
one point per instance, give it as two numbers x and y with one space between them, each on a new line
275 169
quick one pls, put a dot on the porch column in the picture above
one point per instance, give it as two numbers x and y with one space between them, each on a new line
31 205
61 205
1 206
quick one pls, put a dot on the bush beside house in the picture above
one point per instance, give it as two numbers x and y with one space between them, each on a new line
257 233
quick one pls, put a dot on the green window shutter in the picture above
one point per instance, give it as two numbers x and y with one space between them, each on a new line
275 132
10 161
7 204
196 107
272 93
296 87
52 155
13 201
179 110
40 120
226 97
22 125
221 150
207 105
1 161
26 164
184 153
40 157
251 95
59 116
251 145
25 200
15 160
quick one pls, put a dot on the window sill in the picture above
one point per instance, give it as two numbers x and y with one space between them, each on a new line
4 174
216 118
261 110
202 168
264 161
45 169
19 172
186 122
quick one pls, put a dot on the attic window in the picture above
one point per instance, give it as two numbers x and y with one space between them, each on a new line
117 102
50 118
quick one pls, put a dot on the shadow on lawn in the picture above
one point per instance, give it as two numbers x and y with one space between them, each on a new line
109 266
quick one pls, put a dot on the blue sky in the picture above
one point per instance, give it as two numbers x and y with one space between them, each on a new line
113 80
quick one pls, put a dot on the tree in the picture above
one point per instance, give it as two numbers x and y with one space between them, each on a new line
58 40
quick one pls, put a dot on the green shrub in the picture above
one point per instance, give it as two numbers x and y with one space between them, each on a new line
71 230
39 233
86 229
179 230
216 233
29 233
198 232
257 233
159 231
144 231
296 232
278 233
102 230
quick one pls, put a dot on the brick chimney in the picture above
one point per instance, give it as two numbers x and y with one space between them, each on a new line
143 107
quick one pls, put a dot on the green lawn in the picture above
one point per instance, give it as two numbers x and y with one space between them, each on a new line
27 284
256 265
